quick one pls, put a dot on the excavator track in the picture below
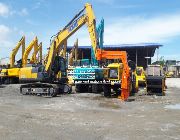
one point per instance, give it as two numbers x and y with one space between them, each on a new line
45 89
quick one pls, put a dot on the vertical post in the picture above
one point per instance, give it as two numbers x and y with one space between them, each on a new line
76 50
147 57
157 54
136 57
64 49
40 52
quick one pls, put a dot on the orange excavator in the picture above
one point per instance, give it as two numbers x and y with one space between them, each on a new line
125 73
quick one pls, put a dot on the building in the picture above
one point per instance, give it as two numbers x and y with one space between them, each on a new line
140 53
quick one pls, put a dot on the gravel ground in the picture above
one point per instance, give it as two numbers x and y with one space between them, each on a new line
88 116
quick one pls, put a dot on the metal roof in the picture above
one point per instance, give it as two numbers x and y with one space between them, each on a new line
129 46
141 50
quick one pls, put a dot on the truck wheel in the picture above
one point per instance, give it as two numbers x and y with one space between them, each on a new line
95 88
78 88
81 88
132 89
6 81
107 90
67 89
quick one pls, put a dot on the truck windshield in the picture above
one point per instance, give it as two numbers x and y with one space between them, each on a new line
113 73
139 72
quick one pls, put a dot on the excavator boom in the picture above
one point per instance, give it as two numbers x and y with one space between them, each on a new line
32 45
77 22
34 58
15 50
73 53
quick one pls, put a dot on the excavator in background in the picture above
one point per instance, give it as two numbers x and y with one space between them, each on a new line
155 80
73 54
31 46
140 76
63 50
21 43
10 74
72 62
37 59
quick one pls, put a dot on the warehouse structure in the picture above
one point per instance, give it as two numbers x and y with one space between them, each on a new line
141 53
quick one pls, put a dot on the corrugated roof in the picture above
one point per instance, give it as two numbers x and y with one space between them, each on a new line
138 45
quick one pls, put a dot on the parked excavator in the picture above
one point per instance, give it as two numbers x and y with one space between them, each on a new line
140 76
63 50
33 45
73 54
155 80
10 74
37 59
21 43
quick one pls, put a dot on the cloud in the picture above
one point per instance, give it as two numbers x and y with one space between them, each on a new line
126 6
9 38
5 40
4 10
39 3
31 22
4 32
105 1
140 29
22 12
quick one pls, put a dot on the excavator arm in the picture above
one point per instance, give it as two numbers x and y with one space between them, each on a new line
63 50
73 53
15 50
32 45
85 16
34 56
122 55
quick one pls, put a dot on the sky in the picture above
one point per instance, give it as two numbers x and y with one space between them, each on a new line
126 21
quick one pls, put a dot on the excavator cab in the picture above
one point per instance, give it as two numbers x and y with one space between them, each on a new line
59 70
115 71
114 76
38 73
140 76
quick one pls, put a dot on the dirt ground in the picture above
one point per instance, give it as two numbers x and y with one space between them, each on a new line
88 116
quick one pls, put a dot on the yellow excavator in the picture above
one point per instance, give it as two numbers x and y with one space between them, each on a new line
140 76
73 54
37 59
11 73
33 45
43 78
21 43
63 50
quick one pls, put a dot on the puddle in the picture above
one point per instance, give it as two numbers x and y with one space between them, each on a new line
176 106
